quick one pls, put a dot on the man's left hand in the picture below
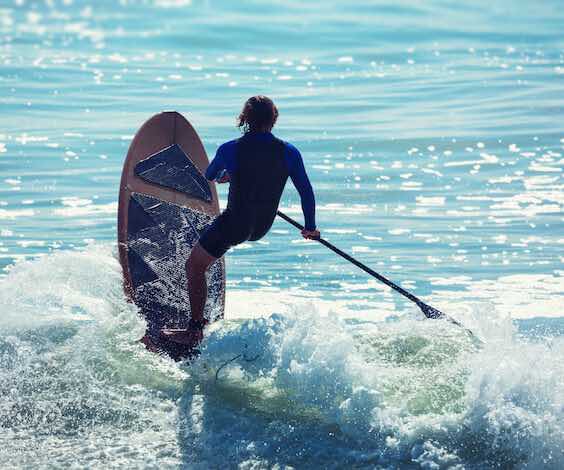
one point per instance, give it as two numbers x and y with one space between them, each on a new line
311 234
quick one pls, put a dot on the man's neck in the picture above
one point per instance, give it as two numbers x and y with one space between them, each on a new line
260 131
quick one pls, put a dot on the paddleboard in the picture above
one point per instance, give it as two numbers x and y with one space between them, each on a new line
165 204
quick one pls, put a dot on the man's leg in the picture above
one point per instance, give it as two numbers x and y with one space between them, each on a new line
196 267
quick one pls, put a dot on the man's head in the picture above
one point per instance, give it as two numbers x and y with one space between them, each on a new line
259 114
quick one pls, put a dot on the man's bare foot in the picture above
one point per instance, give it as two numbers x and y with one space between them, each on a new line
183 336
150 344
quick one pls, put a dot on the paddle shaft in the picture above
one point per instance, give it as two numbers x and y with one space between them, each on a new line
428 311
357 263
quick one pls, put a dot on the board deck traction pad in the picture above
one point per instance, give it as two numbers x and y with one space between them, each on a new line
160 238
172 168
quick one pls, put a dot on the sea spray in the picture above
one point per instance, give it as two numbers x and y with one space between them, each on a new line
308 387
77 389
403 391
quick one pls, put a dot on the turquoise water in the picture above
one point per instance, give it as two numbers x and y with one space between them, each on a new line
433 136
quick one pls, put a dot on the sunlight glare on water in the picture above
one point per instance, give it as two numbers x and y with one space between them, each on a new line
433 137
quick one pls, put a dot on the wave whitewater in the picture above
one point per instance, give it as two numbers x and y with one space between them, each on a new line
306 388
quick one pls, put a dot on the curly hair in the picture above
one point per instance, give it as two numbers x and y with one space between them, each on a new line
259 113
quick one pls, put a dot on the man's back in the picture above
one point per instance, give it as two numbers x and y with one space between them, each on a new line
261 173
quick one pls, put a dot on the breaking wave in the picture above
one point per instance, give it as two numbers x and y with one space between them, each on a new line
298 388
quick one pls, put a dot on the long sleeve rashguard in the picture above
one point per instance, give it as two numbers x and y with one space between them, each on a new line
225 160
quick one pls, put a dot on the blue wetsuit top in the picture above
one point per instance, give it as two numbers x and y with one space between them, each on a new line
225 160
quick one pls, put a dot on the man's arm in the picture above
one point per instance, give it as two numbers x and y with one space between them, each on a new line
217 165
301 182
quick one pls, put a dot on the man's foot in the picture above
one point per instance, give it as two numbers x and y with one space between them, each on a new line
183 336
150 344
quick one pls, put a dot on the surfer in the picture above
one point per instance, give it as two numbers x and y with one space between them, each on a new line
257 166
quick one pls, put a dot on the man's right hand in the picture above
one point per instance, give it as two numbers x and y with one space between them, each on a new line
223 177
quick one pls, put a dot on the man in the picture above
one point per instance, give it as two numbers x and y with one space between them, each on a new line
257 165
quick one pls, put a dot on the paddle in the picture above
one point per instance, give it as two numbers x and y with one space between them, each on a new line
429 312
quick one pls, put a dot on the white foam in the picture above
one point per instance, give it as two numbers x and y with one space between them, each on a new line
391 388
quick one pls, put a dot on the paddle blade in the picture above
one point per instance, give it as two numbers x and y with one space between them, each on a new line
433 313
430 312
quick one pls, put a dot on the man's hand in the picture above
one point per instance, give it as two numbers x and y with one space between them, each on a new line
223 177
311 234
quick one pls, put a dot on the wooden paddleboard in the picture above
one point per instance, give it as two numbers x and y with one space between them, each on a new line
165 204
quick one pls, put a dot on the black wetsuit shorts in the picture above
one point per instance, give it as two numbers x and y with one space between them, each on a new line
231 228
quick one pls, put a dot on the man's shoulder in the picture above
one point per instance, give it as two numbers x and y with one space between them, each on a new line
228 146
292 150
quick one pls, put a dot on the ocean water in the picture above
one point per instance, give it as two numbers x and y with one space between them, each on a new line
433 135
